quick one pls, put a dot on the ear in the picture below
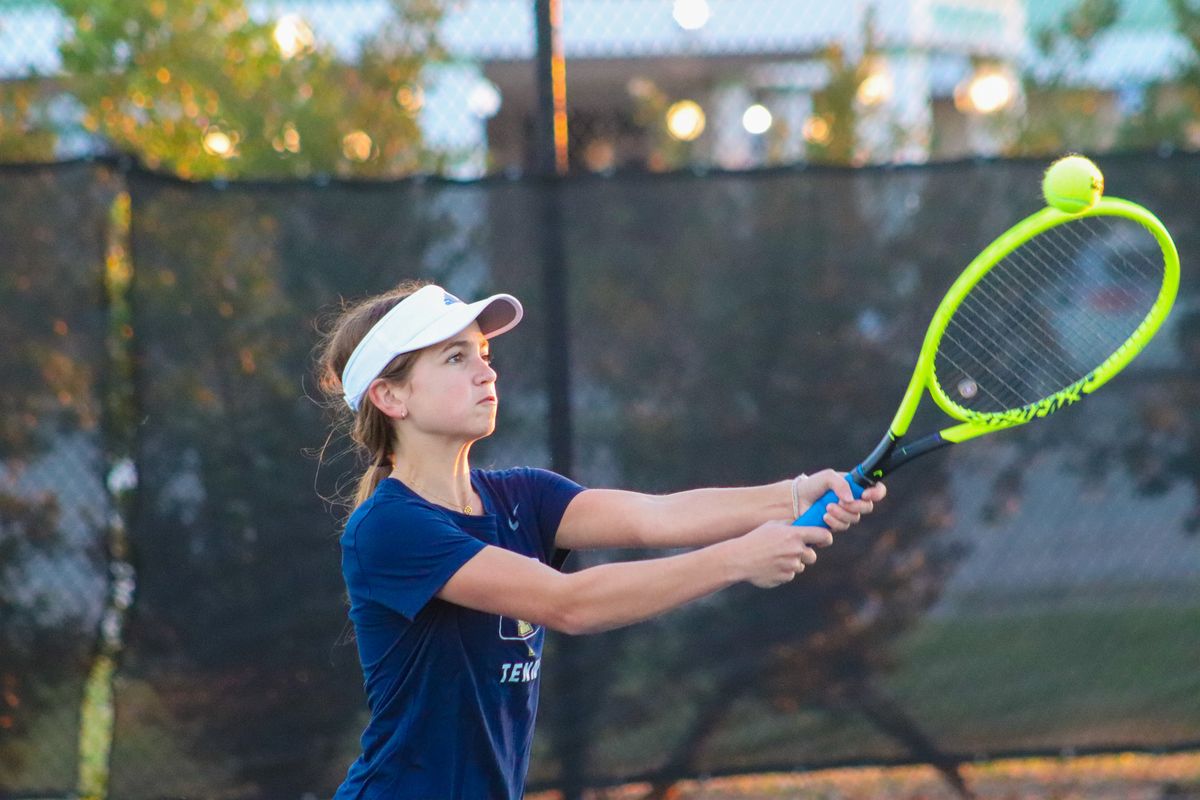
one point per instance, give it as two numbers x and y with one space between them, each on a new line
389 398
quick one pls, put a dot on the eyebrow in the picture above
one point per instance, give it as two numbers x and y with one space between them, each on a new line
462 343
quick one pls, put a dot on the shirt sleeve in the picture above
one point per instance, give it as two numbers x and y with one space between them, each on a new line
406 555
552 493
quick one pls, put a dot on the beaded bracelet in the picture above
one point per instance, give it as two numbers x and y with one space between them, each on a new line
796 495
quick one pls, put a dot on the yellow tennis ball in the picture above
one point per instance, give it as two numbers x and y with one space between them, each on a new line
1073 184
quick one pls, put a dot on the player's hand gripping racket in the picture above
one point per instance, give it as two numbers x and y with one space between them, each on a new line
1047 313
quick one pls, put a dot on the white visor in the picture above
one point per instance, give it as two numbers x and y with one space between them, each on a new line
427 316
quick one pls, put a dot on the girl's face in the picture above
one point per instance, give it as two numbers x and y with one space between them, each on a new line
452 387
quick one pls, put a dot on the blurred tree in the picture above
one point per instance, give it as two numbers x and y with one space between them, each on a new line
651 106
205 89
26 132
1063 113
835 114
845 107
1165 114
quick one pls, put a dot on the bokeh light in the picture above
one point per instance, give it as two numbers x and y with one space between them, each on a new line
357 146
685 120
293 36
757 119
410 97
878 87
987 91
691 15
817 130
219 143
484 99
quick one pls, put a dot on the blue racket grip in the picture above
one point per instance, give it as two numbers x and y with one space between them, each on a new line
815 516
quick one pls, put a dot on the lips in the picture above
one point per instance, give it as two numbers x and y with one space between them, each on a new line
491 398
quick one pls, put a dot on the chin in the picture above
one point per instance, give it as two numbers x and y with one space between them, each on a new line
481 430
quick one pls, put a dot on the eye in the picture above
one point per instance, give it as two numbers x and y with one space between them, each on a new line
488 357
454 358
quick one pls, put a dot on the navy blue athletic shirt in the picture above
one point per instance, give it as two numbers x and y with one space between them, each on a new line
453 692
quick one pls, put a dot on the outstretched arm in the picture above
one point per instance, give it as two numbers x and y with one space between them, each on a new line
498 581
600 518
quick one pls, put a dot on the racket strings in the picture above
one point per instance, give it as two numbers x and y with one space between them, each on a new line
1087 330
1130 286
1133 289
1138 287
1045 366
983 336
986 330
1048 314
1047 370
1034 319
1046 272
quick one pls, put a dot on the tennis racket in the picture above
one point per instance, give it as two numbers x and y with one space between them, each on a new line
1046 314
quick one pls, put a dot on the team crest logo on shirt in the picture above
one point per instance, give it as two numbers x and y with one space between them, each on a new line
517 630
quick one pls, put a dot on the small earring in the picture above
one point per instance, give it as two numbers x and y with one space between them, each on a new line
403 413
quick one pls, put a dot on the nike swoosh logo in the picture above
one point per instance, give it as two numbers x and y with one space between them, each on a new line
512 522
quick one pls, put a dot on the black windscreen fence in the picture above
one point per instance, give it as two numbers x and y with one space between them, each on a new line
1035 592
53 502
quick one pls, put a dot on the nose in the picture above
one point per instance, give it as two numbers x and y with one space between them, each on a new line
487 374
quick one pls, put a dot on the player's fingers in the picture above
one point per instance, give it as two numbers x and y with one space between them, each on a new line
808 556
832 480
843 514
836 525
875 493
859 507
841 488
814 537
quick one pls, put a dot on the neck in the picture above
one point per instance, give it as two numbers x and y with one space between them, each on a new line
439 473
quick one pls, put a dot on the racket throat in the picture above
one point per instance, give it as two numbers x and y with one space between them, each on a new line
892 452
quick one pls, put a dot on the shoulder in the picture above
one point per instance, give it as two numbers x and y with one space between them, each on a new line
388 511
524 478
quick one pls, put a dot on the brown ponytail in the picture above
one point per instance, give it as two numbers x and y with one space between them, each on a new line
369 429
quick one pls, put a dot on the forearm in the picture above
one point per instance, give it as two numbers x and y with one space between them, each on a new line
614 595
703 516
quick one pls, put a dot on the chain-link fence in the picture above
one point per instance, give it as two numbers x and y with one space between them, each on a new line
383 88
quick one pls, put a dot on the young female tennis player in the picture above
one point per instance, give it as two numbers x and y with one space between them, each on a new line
452 572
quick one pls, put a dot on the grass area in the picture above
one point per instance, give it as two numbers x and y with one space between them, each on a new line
978 686
1084 678
45 757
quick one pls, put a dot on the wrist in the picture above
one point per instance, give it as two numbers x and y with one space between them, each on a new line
728 553
781 505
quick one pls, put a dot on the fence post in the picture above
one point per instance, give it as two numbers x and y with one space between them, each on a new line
119 415
551 165
569 745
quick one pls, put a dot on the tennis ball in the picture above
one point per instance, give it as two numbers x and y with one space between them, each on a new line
1072 184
